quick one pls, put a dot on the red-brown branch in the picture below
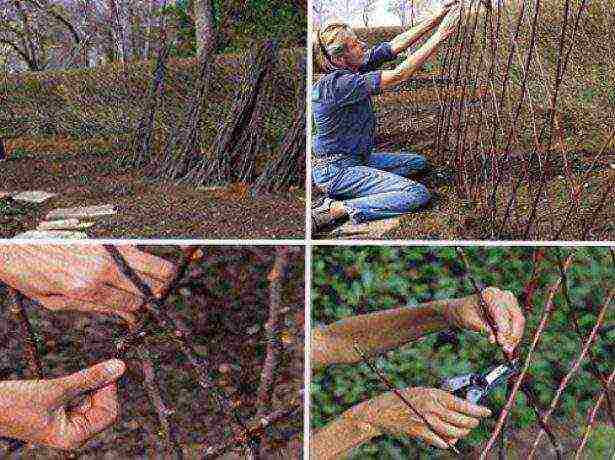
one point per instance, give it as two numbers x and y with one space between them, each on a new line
17 311
543 322
572 371
592 415
276 279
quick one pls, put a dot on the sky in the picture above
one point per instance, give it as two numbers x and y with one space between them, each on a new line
379 17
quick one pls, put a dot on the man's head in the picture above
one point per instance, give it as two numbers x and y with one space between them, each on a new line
339 47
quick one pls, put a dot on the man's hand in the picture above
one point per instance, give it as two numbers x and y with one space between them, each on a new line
81 277
504 310
63 412
450 417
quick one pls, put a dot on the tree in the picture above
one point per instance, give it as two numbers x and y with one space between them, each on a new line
405 10
321 10
366 7
204 25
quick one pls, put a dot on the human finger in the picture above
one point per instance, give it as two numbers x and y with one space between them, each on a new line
465 407
431 438
104 408
55 302
106 300
517 320
154 271
457 419
497 309
92 378
443 428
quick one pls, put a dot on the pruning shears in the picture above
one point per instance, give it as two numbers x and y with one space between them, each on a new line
474 387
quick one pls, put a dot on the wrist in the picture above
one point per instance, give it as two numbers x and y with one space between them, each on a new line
342 435
453 310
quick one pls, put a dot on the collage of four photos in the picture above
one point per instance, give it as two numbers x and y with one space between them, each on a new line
323 229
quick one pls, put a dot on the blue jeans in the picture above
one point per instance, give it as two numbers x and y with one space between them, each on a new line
376 190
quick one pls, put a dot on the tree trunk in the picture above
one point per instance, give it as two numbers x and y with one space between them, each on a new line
117 30
217 167
288 168
204 25
144 132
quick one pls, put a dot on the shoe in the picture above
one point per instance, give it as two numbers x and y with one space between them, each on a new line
322 203
322 220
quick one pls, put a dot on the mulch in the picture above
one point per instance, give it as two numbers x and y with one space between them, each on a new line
146 209
226 309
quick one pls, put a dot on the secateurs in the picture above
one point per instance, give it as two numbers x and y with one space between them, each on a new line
475 386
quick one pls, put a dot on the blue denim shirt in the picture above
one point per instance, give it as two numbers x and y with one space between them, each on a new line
342 107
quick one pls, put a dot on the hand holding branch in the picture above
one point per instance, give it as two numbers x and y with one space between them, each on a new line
83 278
63 412
504 310
450 417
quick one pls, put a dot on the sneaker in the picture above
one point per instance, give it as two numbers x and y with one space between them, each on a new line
322 220
322 203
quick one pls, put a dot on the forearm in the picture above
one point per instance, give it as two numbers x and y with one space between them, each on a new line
412 63
405 40
378 332
339 437
18 264
12 407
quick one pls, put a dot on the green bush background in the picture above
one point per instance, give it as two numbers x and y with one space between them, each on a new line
355 280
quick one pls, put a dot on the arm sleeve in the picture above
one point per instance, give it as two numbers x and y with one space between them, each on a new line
377 56
352 88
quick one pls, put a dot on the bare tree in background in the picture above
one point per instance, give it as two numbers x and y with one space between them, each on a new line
204 25
321 10
366 7
401 8
149 23
27 27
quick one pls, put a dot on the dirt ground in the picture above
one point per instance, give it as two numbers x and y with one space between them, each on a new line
225 305
145 209
402 125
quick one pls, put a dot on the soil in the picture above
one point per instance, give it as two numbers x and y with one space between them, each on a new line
225 305
400 127
146 209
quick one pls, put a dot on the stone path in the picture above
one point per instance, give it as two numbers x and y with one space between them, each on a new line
62 222
376 229
54 234
34 196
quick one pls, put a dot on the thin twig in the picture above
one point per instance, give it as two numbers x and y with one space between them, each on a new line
392 388
543 322
255 430
564 382
276 277
592 415
18 312
169 443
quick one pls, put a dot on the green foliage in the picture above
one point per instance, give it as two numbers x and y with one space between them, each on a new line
601 441
355 280
258 20
9 208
